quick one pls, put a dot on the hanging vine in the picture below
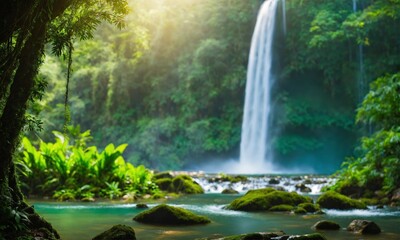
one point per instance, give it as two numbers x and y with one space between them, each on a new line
67 113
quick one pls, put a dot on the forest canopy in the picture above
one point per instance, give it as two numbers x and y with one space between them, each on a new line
171 84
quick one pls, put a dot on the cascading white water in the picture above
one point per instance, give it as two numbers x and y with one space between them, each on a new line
255 156
362 86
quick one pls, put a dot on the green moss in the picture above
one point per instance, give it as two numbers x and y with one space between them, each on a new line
309 207
264 199
229 191
282 208
334 200
164 184
185 184
168 215
300 210
117 232
370 201
161 175
158 195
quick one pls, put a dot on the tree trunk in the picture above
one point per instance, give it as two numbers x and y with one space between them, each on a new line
11 123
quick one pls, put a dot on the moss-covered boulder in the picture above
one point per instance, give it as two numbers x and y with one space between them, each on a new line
299 211
179 184
229 191
364 227
185 184
228 178
309 207
141 206
164 184
334 200
118 232
161 175
168 215
326 225
281 208
266 198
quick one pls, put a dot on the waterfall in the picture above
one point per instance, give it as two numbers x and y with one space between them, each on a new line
362 86
284 16
255 154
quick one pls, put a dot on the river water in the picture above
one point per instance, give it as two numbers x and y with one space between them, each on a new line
78 221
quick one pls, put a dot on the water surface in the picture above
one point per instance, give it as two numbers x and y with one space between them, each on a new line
79 221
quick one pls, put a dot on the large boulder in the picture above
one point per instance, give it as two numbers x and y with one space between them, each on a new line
326 225
334 200
118 232
168 215
309 207
266 198
185 184
364 227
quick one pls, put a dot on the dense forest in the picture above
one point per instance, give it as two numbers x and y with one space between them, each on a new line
171 84
165 89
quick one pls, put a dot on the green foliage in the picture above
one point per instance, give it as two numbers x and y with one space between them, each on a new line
179 95
378 166
381 106
69 172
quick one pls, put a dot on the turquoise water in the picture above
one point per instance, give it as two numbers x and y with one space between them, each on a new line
78 221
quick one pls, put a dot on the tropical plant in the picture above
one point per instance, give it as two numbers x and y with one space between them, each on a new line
69 172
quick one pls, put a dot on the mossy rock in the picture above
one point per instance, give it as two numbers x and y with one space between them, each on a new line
229 191
309 207
164 184
142 205
364 227
266 198
326 225
281 208
185 184
238 178
161 175
167 215
299 211
117 232
229 178
334 200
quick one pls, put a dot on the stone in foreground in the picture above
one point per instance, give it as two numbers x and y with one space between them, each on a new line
168 215
118 232
364 227
326 225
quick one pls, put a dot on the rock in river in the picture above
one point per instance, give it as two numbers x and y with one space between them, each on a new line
117 232
168 215
364 227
